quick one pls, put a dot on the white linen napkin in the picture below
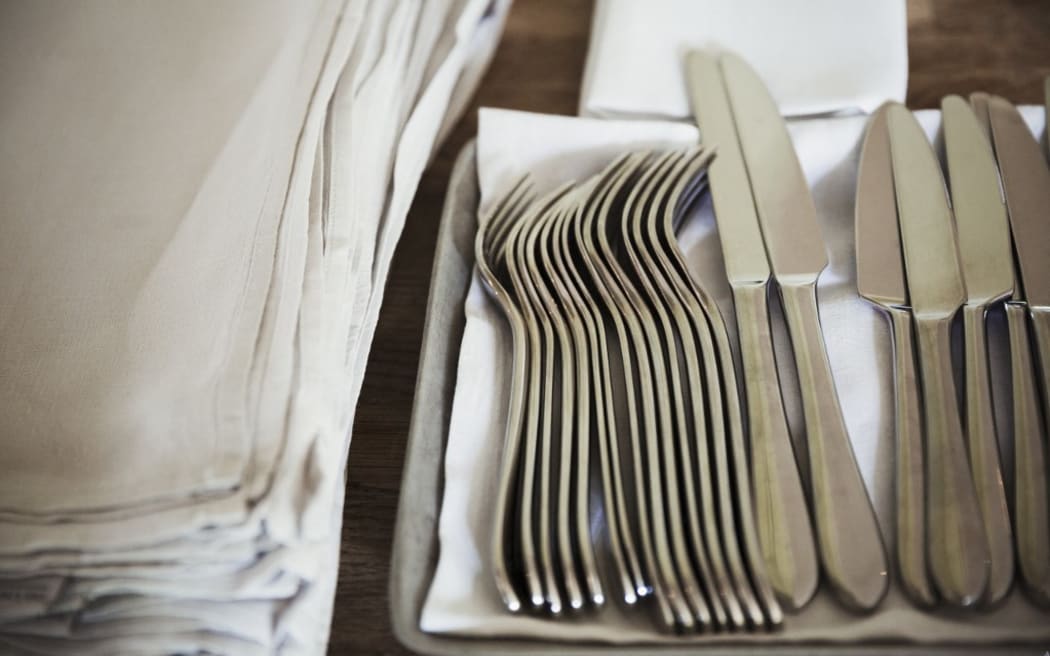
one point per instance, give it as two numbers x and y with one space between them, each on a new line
462 598
816 56
106 326
198 221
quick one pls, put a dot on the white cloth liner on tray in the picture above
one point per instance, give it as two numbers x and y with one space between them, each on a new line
817 56
462 598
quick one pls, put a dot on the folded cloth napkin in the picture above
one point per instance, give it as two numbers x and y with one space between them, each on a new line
462 598
198 221
816 56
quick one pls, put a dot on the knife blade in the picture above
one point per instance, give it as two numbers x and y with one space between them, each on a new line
848 535
781 517
1025 183
979 102
980 211
880 279
987 267
958 547
1046 106
880 264
933 272
786 213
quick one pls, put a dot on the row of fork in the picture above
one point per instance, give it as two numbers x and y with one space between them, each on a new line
624 427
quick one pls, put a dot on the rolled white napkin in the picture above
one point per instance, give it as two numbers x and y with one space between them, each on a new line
816 56
462 598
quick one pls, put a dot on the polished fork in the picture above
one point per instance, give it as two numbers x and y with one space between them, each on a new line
488 242
594 390
674 610
710 579
572 528
734 491
534 514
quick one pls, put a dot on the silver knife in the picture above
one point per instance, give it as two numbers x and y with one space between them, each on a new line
880 280
958 547
979 102
781 516
1046 109
1026 183
987 267
847 533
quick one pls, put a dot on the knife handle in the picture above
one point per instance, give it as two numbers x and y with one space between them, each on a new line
1041 328
785 533
958 548
1030 506
984 456
847 533
910 472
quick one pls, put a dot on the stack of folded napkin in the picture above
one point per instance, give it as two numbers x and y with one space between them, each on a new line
198 207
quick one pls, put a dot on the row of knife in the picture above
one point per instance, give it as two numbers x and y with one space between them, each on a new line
922 254
769 234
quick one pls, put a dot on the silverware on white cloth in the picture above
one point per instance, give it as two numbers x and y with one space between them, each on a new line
987 267
1026 186
623 401
958 551
537 490
488 245
782 518
880 280
697 533
848 537
593 383
619 352
647 443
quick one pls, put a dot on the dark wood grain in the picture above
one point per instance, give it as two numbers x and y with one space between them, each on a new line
955 46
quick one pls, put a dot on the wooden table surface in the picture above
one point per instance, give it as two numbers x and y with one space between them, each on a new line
955 46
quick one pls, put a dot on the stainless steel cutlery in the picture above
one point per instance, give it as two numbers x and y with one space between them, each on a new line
623 400
763 179
1026 186
972 252
880 280
987 267
619 352
958 552
782 518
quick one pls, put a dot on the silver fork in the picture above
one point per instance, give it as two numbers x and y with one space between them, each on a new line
489 241
673 608
540 370
737 523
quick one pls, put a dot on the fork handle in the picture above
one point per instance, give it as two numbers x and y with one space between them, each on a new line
503 531
847 533
983 445
910 472
958 549
785 533
1030 506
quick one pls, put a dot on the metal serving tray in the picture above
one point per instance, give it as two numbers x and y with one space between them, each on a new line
415 551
